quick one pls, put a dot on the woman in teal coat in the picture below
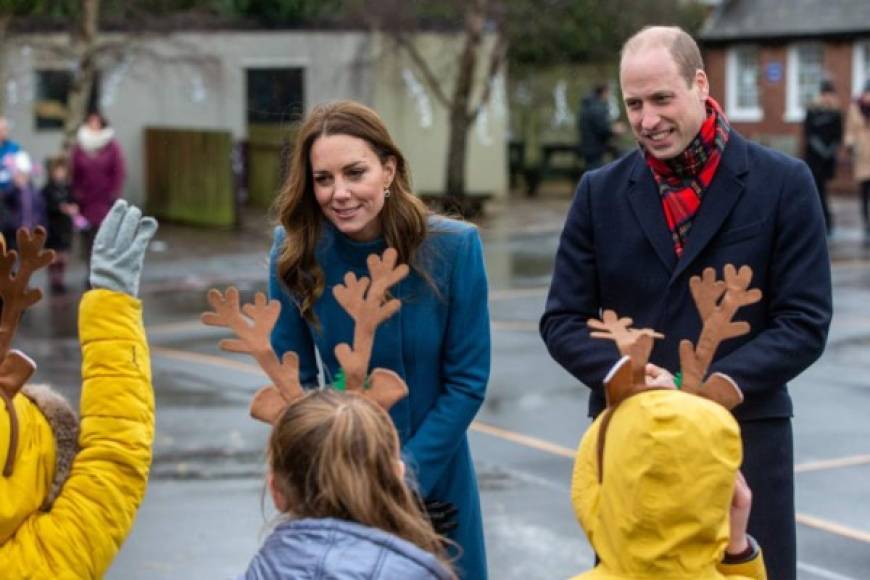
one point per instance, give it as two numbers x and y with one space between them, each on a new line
347 196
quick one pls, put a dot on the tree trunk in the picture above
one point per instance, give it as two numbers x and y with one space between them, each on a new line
4 28
460 117
85 46
457 145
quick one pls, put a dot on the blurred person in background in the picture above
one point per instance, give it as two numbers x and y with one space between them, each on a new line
22 204
8 148
823 135
595 129
858 142
97 175
60 212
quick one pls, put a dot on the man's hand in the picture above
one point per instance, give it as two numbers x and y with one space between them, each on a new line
656 376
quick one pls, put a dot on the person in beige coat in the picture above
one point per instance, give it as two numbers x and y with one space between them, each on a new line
858 142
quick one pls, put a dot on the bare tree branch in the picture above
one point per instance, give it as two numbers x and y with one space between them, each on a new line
475 16
423 67
5 19
496 61
84 40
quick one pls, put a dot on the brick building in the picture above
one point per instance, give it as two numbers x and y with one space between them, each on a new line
766 59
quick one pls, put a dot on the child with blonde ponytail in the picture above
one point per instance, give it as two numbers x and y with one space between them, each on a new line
336 473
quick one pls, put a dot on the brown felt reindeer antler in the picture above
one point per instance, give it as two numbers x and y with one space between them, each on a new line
365 300
15 367
16 296
628 376
635 345
253 324
717 302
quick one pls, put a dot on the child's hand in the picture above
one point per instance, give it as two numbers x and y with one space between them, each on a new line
119 249
741 505
69 209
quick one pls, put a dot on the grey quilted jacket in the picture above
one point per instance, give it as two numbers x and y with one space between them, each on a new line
332 549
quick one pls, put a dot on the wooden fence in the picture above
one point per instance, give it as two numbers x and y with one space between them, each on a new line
189 176
268 150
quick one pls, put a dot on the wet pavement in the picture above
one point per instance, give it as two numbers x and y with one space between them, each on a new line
205 511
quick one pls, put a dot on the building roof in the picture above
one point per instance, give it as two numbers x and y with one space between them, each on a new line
761 19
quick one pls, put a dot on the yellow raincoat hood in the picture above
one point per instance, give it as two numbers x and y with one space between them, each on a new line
23 492
47 430
670 461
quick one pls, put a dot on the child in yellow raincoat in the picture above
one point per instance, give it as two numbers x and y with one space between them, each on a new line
70 490
656 483
671 463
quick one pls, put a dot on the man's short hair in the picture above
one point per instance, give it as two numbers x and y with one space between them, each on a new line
679 43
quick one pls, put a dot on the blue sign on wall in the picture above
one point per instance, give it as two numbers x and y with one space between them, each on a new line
773 72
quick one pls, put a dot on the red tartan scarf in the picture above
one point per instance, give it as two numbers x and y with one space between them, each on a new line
683 180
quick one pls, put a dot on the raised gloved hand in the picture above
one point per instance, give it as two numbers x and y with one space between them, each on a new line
119 249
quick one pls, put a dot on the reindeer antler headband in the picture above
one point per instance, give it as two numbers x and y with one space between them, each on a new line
365 299
717 302
15 367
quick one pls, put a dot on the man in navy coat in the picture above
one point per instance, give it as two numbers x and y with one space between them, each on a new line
696 194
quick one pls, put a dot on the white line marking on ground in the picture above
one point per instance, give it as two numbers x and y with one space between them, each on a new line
514 325
833 528
511 293
207 359
832 463
184 327
524 440
848 264
821 572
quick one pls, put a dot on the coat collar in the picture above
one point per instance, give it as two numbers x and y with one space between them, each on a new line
719 199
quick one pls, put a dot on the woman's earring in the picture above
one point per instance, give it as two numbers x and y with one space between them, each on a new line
387 191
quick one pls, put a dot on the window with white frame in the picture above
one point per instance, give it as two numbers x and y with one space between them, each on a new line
860 65
742 95
804 77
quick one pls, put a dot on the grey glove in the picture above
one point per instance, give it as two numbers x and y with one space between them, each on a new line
119 249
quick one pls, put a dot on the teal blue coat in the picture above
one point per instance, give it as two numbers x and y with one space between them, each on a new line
439 342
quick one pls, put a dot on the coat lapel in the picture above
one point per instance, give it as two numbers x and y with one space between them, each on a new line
724 191
643 195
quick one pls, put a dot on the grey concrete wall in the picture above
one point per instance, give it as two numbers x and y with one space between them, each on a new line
197 80
192 80
419 122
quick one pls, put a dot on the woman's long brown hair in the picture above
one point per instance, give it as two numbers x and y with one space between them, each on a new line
335 454
403 217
